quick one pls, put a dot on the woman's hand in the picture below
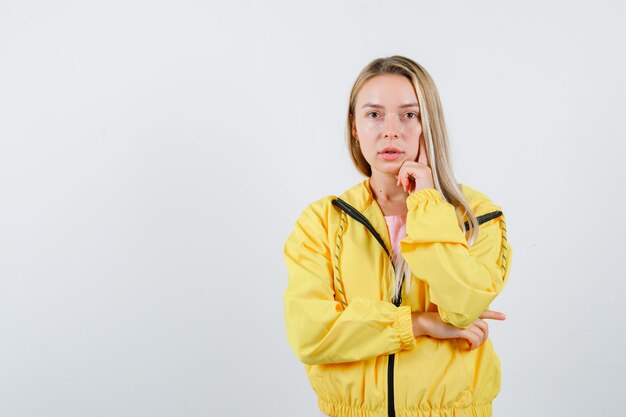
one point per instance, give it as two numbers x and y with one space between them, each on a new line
430 324
416 175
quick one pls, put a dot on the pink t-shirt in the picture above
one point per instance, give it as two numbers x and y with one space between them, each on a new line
397 232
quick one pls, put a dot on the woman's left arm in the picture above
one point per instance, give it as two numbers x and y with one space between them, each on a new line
463 280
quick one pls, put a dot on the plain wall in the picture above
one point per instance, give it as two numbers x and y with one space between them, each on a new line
154 156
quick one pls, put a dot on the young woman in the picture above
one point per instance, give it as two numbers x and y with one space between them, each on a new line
390 283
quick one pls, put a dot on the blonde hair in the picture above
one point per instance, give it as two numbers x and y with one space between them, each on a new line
435 137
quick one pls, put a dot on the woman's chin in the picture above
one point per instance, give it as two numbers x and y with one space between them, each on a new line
387 169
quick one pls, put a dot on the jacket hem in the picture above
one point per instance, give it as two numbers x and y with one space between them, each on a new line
343 410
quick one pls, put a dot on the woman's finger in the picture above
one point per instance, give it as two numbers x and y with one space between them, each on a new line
473 336
472 340
481 324
480 335
494 315
422 154
484 327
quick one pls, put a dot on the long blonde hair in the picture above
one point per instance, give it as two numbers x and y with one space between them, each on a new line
433 128
435 137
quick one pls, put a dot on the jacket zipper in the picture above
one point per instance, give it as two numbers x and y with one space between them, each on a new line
359 217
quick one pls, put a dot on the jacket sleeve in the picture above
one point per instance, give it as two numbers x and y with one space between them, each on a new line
319 328
462 280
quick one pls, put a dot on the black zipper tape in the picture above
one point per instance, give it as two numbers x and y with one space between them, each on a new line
356 215
391 407
485 218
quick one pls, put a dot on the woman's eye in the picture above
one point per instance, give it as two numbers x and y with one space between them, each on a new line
372 114
414 115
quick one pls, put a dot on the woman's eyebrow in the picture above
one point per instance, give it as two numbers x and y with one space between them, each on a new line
378 106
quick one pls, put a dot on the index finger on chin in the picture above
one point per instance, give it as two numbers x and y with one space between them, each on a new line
422 155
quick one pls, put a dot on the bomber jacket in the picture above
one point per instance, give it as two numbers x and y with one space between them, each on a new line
357 346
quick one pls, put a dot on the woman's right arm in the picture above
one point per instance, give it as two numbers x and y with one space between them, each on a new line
319 328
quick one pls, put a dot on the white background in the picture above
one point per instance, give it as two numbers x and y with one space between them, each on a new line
154 156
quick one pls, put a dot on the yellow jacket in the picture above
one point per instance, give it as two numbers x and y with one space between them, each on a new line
358 348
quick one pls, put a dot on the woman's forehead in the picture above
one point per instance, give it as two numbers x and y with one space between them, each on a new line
388 90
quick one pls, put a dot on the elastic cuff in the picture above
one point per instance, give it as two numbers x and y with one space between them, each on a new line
422 196
405 328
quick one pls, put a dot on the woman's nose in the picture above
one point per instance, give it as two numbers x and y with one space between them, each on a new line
390 128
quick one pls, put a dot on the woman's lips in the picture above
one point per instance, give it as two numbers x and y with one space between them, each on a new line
390 156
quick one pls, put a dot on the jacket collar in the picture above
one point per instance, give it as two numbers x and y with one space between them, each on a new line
360 197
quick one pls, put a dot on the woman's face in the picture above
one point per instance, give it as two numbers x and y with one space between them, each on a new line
386 122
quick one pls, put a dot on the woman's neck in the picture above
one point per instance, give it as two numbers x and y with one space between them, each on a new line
390 197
